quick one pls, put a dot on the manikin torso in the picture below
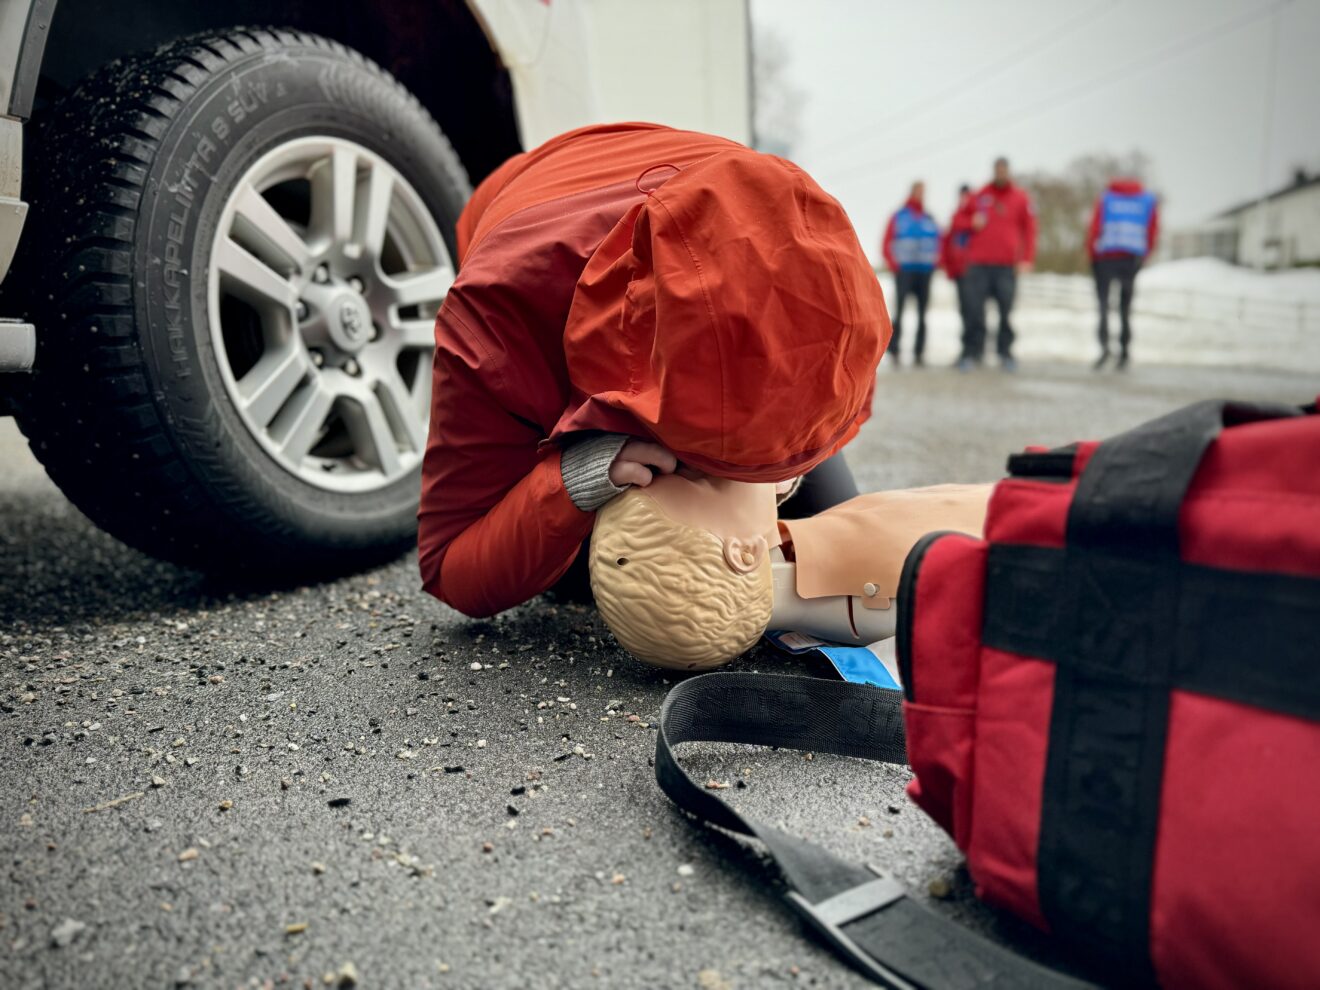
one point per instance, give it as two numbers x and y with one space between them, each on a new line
836 574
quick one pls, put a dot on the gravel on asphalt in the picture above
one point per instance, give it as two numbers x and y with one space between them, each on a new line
350 784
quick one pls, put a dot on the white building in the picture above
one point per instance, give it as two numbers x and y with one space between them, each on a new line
1281 230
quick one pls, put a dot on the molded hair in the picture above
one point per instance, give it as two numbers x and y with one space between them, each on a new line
666 592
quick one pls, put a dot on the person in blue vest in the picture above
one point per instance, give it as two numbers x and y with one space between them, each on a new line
1124 228
912 252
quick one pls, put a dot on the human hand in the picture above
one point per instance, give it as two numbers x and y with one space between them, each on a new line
638 462
1024 267
978 221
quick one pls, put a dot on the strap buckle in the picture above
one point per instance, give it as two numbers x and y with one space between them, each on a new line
830 915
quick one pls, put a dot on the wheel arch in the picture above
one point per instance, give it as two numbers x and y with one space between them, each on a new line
436 48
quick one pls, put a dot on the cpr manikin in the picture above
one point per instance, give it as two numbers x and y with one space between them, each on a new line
689 572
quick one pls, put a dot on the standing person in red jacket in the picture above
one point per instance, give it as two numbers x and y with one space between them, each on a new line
1124 228
633 298
953 250
911 248
1003 245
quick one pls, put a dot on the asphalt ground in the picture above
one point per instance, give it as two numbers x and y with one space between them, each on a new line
203 786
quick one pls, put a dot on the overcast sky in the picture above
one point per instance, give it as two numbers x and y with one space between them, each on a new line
935 90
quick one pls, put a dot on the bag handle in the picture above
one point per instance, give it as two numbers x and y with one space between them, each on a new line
862 912
1131 490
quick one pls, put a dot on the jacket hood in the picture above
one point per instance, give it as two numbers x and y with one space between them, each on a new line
733 316
1126 187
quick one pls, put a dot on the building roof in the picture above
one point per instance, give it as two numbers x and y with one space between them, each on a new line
1300 181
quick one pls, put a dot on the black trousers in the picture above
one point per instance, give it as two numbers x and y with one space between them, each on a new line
1123 270
960 285
916 285
982 282
825 485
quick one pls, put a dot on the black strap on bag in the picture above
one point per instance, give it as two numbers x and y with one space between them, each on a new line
862 911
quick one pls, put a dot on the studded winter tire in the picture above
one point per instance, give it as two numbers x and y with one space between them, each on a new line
239 246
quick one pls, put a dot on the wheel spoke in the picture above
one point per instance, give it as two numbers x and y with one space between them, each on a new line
271 381
334 193
248 277
421 397
382 438
375 207
300 424
415 333
398 402
426 286
258 221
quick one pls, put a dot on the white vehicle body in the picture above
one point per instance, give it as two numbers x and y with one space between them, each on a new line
685 63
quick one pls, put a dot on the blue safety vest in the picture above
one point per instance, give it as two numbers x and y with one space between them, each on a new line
1124 222
916 243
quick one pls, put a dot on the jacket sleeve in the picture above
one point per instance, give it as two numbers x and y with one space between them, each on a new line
496 526
887 246
1093 235
1153 231
470 219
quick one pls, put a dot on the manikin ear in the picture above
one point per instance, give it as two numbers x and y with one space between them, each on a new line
744 556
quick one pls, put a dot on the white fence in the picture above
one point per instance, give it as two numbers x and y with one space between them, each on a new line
1252 313
1055 317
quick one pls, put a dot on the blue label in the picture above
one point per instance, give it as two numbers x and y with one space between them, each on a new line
860 665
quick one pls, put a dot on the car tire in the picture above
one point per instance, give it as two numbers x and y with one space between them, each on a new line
139 407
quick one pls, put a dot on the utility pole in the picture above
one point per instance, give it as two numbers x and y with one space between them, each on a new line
1267 136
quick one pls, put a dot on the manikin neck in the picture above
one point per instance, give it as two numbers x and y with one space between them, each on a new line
835 618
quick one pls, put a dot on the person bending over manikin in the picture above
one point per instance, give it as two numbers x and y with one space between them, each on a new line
690 571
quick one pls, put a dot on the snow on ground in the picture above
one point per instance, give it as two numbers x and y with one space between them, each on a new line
1197 311
1211 275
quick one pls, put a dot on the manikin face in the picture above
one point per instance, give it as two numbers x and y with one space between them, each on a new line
742 515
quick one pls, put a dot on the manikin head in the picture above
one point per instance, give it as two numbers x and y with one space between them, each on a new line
696 552
1002 175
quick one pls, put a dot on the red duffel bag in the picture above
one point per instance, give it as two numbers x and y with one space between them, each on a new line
1111 702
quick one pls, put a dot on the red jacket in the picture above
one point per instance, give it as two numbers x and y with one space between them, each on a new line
1124 187
640 280
957 239
1009 232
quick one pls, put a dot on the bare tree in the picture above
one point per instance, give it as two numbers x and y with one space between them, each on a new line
778 102
1064 203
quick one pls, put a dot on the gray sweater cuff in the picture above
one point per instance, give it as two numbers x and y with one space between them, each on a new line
585 467
797 484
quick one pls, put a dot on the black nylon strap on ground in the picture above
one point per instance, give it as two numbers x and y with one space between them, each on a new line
865 916
1111 609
